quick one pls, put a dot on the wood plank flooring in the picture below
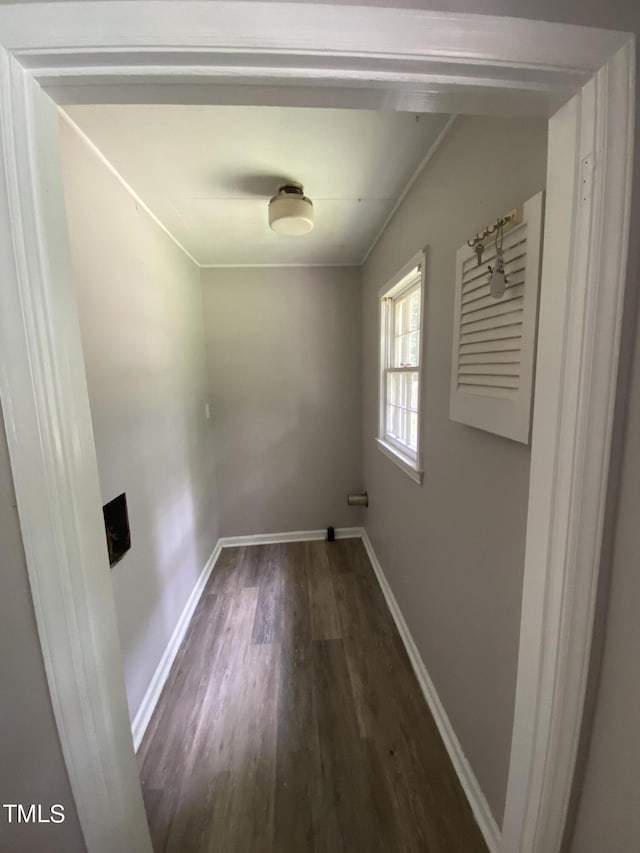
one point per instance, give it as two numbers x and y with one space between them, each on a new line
292 720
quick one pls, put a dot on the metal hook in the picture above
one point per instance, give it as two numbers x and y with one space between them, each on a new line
477 243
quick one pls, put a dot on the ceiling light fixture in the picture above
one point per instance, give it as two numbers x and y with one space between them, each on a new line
290 211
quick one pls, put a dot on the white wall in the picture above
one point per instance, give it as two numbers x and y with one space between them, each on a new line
32 768
140 307
284 364
453 548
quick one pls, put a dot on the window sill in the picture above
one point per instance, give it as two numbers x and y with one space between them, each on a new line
403 462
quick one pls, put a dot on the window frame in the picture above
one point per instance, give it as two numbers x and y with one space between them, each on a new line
400 285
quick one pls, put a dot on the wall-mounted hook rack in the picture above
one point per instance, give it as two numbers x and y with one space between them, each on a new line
503 223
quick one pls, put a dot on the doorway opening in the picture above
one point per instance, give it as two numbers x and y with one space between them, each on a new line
189 304
579 322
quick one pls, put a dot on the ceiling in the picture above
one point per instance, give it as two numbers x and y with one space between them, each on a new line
207 173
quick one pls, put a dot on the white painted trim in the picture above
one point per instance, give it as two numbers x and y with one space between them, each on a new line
583 284
237 40
393 288
290 536
420 169
55 473
470 785
123 183
152 694
409 466
417 259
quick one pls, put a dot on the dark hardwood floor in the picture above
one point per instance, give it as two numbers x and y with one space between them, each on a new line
292 720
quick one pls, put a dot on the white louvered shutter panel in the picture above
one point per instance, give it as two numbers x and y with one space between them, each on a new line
494 339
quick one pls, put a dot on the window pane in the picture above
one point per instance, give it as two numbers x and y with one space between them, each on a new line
401 359
396 430
402 392
394 421
414 310
406 335
405 351
402 424
407 313
412 348
393 388
389 421
399 315
413 431
415 391
397 352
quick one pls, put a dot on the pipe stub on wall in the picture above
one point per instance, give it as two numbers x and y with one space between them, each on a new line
359 499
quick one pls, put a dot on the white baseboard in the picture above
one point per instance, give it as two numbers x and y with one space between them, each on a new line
292 536
477 800
150 699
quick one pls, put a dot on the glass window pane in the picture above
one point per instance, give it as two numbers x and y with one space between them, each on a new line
394 415
395 422
414 340
402 393
405 351
397 352
406 389
414 391
399 324
414 310
399 424
393 388
389 421
413 430
406 415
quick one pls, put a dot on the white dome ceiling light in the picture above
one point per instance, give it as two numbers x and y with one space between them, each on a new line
290 211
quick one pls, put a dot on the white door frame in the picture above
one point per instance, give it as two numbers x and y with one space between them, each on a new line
303 54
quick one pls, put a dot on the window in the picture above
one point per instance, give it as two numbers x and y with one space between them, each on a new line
401 311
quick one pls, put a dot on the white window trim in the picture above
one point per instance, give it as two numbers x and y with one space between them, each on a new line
405 463
393 450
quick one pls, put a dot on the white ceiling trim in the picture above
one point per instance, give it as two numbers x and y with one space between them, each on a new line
421 166
116 37
127 187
